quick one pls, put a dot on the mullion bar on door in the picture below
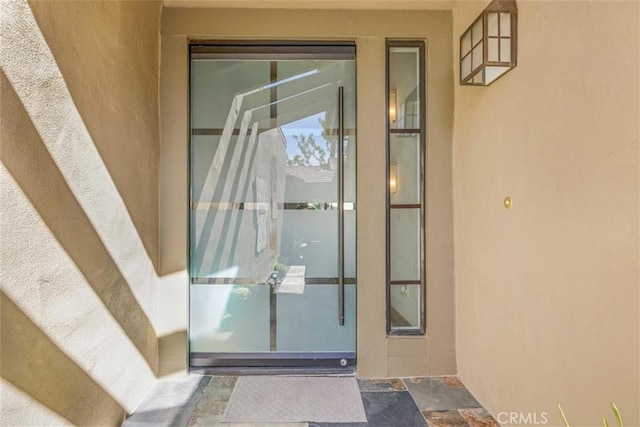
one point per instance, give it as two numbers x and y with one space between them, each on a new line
251 281
250 206
273 298
236 132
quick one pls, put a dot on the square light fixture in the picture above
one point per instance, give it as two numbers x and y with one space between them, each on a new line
488 48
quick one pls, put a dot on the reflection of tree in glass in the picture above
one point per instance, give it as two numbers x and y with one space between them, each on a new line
313 153
330 140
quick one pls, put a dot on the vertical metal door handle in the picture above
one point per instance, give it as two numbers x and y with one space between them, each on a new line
341 205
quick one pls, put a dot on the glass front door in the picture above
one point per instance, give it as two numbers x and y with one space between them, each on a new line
272 211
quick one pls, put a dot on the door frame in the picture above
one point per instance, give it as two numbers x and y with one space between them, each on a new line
270 50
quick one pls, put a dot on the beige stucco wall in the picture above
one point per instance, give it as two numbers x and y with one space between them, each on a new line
79 226
318 4
378 356
547 293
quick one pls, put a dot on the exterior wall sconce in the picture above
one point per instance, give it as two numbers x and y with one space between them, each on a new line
393 177
393 105
488 48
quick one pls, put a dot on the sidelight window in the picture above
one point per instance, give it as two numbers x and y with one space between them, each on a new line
406 188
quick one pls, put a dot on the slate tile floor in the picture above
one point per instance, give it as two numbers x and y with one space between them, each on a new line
394 402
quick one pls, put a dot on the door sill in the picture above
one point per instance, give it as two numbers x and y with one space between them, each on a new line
267 363
335 360
349 371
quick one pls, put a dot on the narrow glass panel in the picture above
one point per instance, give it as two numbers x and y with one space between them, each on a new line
476 31
505 50
405 233
494 50
478 56
505 25
405 306
492 22
466 66
405 154
404 81
465 46
404 151
493 73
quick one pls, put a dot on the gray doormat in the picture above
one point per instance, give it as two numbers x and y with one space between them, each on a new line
295 399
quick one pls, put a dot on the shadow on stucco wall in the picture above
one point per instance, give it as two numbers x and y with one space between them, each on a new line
171 354
79 229
39 368
30 164
108 53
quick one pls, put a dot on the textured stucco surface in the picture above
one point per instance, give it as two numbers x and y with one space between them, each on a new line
547 293
79 227
317 4
378 356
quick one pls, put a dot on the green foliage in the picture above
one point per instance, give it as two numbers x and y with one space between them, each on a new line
616 414
312 154
281 269
614 409
565 423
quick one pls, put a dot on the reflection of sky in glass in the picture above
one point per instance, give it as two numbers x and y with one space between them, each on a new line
290 79
306 126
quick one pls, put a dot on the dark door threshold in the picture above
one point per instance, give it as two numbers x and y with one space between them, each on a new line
348 371
273 362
